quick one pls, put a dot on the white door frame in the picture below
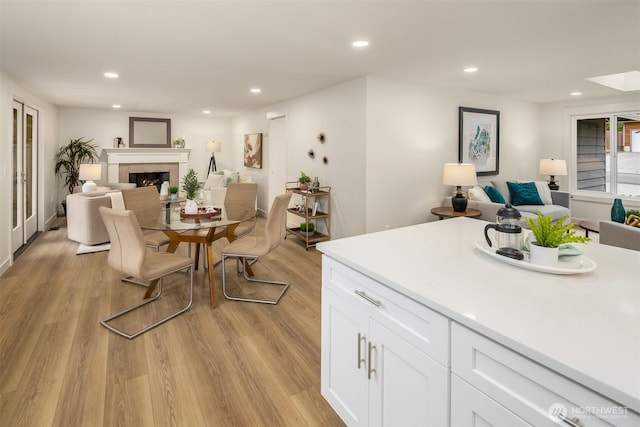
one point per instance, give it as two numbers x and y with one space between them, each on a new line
24 220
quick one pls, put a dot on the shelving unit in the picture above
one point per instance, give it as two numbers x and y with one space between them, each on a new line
321 215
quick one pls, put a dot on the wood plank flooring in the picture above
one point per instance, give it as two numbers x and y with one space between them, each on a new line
242 364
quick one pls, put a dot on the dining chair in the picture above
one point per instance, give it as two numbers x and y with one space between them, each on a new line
251 247
240 197
145 202
128 254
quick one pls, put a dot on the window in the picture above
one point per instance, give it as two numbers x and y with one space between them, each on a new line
608 154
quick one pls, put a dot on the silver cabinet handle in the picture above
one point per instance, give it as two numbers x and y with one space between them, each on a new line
573 422
360 358
371 369
368 298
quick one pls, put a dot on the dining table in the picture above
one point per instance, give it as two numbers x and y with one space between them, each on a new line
206 226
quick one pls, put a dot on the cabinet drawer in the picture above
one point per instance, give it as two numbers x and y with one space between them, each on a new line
424 328
537 394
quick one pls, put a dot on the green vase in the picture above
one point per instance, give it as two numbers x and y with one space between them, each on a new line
617 211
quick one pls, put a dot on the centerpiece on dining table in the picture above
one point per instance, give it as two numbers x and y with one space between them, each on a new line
191 187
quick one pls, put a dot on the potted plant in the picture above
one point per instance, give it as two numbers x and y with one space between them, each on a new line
190 185
173 192
68 160
307 229
304 181
549 236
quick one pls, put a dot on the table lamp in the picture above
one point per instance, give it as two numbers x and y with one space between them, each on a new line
553 167
213 147
89 173
459 174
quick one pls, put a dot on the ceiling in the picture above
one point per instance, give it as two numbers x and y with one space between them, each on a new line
186 56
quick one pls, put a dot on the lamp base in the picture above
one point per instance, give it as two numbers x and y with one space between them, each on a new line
552 183
459 203
89 186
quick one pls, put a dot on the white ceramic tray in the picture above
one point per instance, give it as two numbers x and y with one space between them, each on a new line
566 264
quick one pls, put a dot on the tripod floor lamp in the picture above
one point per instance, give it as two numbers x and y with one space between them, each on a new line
213 147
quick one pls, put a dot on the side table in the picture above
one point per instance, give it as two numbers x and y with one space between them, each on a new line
589 225
448 212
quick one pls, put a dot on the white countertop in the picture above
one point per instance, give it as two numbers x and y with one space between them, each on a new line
584 326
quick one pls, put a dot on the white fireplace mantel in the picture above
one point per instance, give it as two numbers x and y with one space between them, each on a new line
116 156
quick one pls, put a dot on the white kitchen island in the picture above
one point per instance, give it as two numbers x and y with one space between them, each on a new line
420 327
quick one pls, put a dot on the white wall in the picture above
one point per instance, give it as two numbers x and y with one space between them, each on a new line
104 125
557 141
47 136
339 112
412 131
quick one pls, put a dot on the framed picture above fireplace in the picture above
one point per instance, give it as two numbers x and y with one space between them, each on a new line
147 132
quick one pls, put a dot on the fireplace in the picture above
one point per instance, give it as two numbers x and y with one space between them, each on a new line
123 161
146 179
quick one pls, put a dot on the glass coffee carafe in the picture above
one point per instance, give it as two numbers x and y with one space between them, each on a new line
508 234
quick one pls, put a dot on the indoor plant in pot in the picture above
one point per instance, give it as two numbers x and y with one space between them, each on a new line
304 181
549 236
307 229
190 185
173 192
68 160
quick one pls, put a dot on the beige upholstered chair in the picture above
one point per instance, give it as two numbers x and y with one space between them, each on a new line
621 235
252 247
240 197
145 202
129 255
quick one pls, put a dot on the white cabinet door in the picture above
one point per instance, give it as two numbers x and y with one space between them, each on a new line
407 387
471 407
344 364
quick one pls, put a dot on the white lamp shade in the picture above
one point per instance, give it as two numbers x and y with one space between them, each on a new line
89 173
459 174
553 167
214 147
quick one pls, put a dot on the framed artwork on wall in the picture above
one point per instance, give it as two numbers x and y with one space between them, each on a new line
253 150
146 132
479 139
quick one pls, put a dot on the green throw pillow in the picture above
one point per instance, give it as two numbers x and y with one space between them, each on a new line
494 195
524 193
234 177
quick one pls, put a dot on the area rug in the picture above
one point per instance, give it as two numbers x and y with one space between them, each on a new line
87 249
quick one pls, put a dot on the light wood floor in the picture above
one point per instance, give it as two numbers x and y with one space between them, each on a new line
242 364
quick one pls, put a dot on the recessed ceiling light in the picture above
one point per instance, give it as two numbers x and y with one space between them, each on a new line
575 93
470 69
206 111
360 43
111 75
116 106
256 90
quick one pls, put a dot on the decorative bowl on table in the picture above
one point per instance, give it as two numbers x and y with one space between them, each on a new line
203 212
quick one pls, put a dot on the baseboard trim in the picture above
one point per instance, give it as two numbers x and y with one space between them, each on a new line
5 266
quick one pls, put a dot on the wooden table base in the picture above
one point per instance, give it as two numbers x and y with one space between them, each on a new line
197 238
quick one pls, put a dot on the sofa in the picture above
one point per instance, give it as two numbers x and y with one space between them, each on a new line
84 223
215 187
549 202
621 235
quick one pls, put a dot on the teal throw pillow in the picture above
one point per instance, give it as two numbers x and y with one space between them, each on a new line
494 195
524 193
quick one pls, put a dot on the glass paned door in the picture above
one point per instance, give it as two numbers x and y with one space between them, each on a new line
24 163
